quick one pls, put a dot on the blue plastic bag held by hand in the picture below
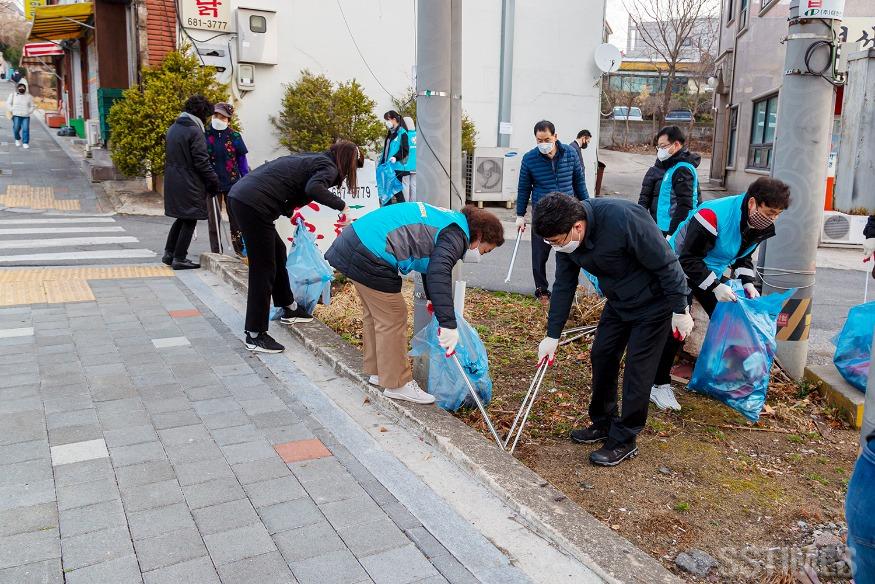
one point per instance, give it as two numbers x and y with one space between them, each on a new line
310 275
445 381
735 362
388 184
854 345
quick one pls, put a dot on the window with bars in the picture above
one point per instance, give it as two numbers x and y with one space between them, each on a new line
762 133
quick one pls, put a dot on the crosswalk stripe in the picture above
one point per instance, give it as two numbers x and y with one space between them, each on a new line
64 242
79 255
57 221
58 230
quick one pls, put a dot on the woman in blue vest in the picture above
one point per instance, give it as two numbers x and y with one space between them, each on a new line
397 149
399 239
721 234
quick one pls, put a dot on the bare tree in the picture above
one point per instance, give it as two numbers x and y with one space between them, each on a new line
669 28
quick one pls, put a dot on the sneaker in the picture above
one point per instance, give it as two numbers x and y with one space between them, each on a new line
263 343
613 455
291 316
589 435
185 264
25 146
167 258
663 397
374 380
18 142
410 392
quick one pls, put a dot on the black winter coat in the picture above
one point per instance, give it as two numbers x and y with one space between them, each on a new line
189 177
681 184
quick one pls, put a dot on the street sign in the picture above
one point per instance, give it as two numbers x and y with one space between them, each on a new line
212 15
833 9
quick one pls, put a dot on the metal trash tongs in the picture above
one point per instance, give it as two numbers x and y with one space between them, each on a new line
516 248
478 401
528 402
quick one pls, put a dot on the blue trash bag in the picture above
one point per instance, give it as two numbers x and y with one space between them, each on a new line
854 345
310 275
735 362
445 381
275 312
388 184
594 281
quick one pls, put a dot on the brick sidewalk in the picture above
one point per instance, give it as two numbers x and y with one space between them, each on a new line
139 442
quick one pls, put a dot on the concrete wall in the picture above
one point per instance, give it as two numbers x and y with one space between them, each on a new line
856 159
562 87
615 132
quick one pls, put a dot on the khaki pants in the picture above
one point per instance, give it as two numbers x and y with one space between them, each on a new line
385 336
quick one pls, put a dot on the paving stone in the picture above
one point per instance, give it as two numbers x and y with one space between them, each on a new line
193 452
96 547
197 571
248 451
308 542
398 566
225 516
22 427
85 494
73 434
376 490
124 420
78 452
365 539
130 436
143 474
25 519
339 567
209 392
192 473
319 470
114 393
453 570
152 496
154 522
137 454
288 433
25 472
401 516
175 419
290 515
275 419
124 570
169 549
97 517
232 370
237 544
66 404
261 470
20 404
257 406
213 493
216 406
330 490
24 451
434 580
266 493
184 434
236 435
351 512
426 542
264 569
163 406
44 572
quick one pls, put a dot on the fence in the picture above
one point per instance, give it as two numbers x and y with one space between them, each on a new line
616 132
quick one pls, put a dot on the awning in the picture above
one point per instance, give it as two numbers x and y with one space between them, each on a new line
61 21
46 49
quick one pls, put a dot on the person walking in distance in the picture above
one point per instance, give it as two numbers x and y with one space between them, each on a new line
549 167
20 105
228 157
189 179
397 150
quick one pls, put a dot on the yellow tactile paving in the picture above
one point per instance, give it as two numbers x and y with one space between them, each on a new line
28 197
59 285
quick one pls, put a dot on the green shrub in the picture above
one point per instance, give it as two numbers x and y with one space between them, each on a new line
140 120
315 112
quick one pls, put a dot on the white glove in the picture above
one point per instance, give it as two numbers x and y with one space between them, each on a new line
868 248
393 160
547 350
681 325
751 291
521 223
668 236
448 339
724 293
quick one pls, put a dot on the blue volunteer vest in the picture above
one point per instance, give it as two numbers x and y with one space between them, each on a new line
727 247
403 235
395 146
409 165
666 203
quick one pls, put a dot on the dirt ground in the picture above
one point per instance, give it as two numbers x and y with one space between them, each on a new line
749 495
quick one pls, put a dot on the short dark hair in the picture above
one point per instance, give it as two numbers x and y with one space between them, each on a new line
583 133
556 214
484 225
673 133
199 106
545 126
771 192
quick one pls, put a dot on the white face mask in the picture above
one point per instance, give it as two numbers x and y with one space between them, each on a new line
472 256
567 248
219 125
545 147
662 154
389 125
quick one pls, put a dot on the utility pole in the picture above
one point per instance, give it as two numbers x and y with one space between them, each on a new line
801 151
505 78
439 122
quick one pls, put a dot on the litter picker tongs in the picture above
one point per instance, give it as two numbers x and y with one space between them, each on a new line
516 247
478 401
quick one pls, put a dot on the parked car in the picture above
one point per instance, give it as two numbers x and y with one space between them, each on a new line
633 114
679 115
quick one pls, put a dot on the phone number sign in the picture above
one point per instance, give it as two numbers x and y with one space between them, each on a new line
213 15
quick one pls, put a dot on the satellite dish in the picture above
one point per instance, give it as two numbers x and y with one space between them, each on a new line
608 58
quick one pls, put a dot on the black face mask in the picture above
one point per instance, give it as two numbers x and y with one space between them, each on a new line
21 90
585 145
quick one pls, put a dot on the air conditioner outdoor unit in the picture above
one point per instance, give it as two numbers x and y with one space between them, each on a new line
92 132
494 174
842 230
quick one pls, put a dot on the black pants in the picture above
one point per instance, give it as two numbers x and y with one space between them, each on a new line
540 254
672 345
267 266
179 238
643 340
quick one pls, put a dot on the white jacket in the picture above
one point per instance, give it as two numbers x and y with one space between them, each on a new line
21 105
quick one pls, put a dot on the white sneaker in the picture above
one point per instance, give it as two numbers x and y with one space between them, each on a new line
663 397
410 392
18 142
26 146
374 380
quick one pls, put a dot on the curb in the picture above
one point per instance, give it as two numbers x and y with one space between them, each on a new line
545 509
838 392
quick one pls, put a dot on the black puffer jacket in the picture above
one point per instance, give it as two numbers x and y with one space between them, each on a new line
681 183
188 175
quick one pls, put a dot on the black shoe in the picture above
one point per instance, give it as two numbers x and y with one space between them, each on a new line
263 343
613 455
297 315
185 264
589 435
167 259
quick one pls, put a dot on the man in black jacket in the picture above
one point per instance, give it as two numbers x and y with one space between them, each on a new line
189 179
670 202
646 293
